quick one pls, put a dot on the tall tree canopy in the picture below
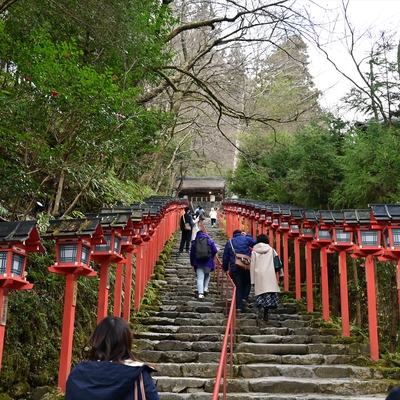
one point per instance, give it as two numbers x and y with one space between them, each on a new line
108 99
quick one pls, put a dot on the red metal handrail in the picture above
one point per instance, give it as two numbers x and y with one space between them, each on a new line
224 283
229 340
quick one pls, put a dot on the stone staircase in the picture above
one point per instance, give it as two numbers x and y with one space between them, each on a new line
283 358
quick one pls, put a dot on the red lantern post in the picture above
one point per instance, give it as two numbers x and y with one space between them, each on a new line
322 239
268 223
276 214
388 216
262 219
256 223
107 253
74 239
307 236
283 231
230 212
127 248
141 258
368 244
296 216
342 243
238 221
17 239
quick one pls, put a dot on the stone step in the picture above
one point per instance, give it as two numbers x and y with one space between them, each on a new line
271 338
173 356
266 396
177 345
199 306
206 320
285 358
307 371
209 370
294 359
276 384
159 357
187 314
300 349
284 339
186 329
185 337
182 300
198 370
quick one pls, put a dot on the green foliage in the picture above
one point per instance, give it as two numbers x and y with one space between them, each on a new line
301 170
371 154
72 110
314 169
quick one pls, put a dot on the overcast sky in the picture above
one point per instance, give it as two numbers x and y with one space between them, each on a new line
375 15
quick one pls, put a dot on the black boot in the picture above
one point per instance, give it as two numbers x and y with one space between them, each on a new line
265 314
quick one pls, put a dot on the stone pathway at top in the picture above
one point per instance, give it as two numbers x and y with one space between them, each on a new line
283 358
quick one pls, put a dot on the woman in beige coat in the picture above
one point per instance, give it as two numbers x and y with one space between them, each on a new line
264 275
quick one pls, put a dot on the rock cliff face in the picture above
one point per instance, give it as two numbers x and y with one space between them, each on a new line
283 358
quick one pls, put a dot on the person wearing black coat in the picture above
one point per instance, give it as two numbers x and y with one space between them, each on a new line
186 233
241 243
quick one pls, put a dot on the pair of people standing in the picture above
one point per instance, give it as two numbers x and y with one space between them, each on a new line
262 272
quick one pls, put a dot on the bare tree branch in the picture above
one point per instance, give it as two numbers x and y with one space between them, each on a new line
6 4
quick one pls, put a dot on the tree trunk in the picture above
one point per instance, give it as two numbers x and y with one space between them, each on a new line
394 307
59 193
72 205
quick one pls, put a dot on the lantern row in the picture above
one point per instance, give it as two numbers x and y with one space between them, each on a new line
111 236
370 233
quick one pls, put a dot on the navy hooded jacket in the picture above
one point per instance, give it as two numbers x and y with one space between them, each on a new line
105 380
394 394
241 244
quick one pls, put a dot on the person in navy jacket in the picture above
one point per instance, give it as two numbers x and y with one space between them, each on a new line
394 394
242 242
203 267
112 372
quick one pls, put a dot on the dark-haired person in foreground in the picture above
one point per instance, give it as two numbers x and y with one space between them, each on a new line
112 372
394 394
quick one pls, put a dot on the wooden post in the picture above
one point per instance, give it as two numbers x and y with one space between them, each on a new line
3 319
297 268
286 260
103 291
372 315
324 284
309 278
138 277
344 294
118 288
128 286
